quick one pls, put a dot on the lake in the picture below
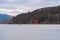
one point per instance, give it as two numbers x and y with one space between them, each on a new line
29 32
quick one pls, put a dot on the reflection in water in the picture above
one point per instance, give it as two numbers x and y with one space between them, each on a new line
29 32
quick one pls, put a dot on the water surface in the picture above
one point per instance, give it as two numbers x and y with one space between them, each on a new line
29 32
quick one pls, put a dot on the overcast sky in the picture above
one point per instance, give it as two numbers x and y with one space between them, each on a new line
14 7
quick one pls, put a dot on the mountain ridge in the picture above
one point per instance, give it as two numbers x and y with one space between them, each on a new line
48 15
4 17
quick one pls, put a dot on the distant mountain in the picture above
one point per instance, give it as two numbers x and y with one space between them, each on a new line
48 15
4 17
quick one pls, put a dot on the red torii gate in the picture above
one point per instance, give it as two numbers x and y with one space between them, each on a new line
36 22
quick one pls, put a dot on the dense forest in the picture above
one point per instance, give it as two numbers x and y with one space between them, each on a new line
47 15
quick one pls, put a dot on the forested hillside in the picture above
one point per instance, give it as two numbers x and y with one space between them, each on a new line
47 15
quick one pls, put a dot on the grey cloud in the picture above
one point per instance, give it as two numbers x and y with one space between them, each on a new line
27 5
32 3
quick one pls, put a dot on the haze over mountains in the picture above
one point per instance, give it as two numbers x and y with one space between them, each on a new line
4 17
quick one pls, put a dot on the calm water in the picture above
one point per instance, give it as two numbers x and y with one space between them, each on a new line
29 32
